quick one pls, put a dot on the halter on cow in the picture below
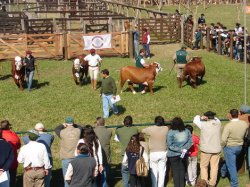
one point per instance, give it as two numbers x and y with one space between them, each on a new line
80 70
194 69
136 75
18 72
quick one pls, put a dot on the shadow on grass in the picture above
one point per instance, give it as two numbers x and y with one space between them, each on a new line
39 85
5 77
136 88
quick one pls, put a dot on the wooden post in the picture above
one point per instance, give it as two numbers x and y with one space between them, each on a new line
22 24
219 43
131 46
65 46
110 24
201 42
208 39
182 29
231 46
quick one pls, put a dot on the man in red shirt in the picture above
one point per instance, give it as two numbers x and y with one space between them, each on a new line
145 42
14 140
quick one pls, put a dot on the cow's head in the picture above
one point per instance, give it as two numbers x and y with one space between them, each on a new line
77 64
18 63
195 58
157 66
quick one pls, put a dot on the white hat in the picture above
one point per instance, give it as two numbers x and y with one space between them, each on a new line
18 59
77 61
39 126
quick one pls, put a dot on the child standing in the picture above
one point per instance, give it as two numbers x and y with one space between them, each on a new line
192 159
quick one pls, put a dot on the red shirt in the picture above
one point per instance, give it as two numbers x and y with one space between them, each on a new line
145 37
194 149
14 140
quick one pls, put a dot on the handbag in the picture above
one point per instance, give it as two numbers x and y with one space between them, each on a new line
141 166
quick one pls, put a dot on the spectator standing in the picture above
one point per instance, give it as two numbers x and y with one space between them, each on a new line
193 158
180 59
198 38
6 160
179 140
201 19
81 169
14 140
69 135
95 149
136 38
210 138
123 135
157 150
107 92
238 28
37 164
104 135
133 152
145 42
47 140
94 61
30 65
232 140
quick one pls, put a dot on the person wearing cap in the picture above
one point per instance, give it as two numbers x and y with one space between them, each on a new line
35 160
180 58
29 62
14 140
107 92
210 139
94 61
232 140
145 42
6 160
69 134
46 139
136 38
104 135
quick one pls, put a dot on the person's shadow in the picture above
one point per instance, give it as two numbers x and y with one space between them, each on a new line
39 85
5 77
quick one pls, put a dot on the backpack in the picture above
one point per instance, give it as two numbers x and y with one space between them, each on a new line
141 166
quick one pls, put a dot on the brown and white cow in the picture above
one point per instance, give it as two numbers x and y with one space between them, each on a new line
136 75
80 70
193 70
18 72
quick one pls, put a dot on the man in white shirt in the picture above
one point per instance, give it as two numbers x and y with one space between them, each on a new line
94 61
35 161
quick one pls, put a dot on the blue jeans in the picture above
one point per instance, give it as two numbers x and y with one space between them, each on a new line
125 176
106 102
65 164
48 178
29 75
104 175
230 155
6 183
147 50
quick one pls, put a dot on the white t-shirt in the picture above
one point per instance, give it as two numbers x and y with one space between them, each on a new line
142 61
93 60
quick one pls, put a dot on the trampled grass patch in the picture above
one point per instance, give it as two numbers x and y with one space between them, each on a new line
56 96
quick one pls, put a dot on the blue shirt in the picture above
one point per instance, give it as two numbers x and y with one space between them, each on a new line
177 141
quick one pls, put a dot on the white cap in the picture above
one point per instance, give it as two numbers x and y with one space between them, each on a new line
39 126
77 61
18 59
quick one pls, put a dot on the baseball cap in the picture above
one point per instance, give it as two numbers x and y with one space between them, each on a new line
33 134
210 114
244 108
39 126
69 120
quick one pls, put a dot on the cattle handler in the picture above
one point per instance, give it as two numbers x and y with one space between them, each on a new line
180 59
140 63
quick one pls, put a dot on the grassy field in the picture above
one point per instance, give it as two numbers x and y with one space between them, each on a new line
55 96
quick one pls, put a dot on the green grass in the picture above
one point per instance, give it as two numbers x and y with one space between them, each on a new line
59 97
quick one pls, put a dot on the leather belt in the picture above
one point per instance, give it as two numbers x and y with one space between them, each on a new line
33 168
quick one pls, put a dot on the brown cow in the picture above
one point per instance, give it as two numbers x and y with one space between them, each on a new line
194 69
80 69
18 72
136 75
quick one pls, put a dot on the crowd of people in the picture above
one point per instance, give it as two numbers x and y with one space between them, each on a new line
85 151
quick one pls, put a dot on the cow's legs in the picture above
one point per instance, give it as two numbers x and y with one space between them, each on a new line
130 85
20 85
75 79
150 86
193 81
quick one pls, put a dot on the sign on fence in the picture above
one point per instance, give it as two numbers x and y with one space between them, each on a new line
97 41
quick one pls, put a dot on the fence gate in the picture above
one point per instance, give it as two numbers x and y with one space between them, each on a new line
74 45
162 30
